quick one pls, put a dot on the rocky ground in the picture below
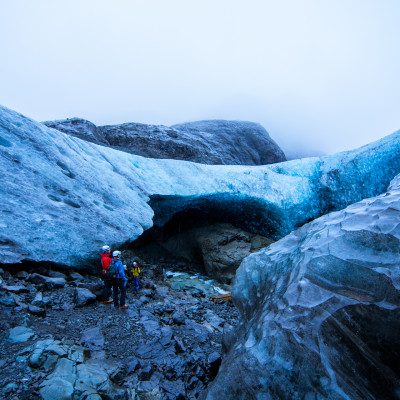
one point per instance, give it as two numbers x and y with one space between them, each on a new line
59 342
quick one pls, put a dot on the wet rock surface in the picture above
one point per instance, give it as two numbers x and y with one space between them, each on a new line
166 345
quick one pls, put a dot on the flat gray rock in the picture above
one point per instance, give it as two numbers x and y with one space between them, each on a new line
50 283
20 334
57 388
92 338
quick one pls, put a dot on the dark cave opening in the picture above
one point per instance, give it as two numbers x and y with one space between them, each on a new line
207 231
248 213
170 244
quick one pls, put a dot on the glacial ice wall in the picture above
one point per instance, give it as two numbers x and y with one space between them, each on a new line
63 197
320 311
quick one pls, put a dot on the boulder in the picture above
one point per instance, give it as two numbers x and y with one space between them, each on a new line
175 388
178 318
95 288
83 296
48 282
149 390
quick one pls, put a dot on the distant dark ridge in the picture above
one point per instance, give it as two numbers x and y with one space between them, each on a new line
206 142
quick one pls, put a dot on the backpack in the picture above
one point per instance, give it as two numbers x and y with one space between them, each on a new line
111 272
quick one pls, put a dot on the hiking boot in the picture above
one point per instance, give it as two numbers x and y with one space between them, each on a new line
125 306
106 302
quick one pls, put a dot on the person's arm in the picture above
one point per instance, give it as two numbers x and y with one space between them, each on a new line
120 269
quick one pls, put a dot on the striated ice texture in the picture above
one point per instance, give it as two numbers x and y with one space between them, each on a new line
320 311
62 198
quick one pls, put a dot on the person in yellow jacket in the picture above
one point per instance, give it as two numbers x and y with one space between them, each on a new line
135 274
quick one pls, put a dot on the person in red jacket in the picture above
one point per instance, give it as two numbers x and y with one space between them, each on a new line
106 259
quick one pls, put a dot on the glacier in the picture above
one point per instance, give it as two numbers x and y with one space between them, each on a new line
320 310
63 197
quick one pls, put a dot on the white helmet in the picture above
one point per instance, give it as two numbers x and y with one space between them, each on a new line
116 253
134 263
106 248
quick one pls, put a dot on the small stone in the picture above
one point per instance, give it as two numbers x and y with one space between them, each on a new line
41 312
92 338
15 289
178 318
38 300
7 301
21 274
56 274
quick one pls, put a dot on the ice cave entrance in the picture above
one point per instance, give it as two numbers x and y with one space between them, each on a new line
212 233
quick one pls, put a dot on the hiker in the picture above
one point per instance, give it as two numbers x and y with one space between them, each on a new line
135 274
116 270
106 259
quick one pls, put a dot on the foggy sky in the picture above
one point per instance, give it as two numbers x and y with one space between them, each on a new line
320 75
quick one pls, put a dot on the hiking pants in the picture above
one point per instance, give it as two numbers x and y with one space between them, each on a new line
118 284
136 282
106 289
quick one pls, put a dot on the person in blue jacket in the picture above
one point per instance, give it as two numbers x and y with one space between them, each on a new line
118 280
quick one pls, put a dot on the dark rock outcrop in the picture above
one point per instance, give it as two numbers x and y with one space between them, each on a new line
234 142
206 142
